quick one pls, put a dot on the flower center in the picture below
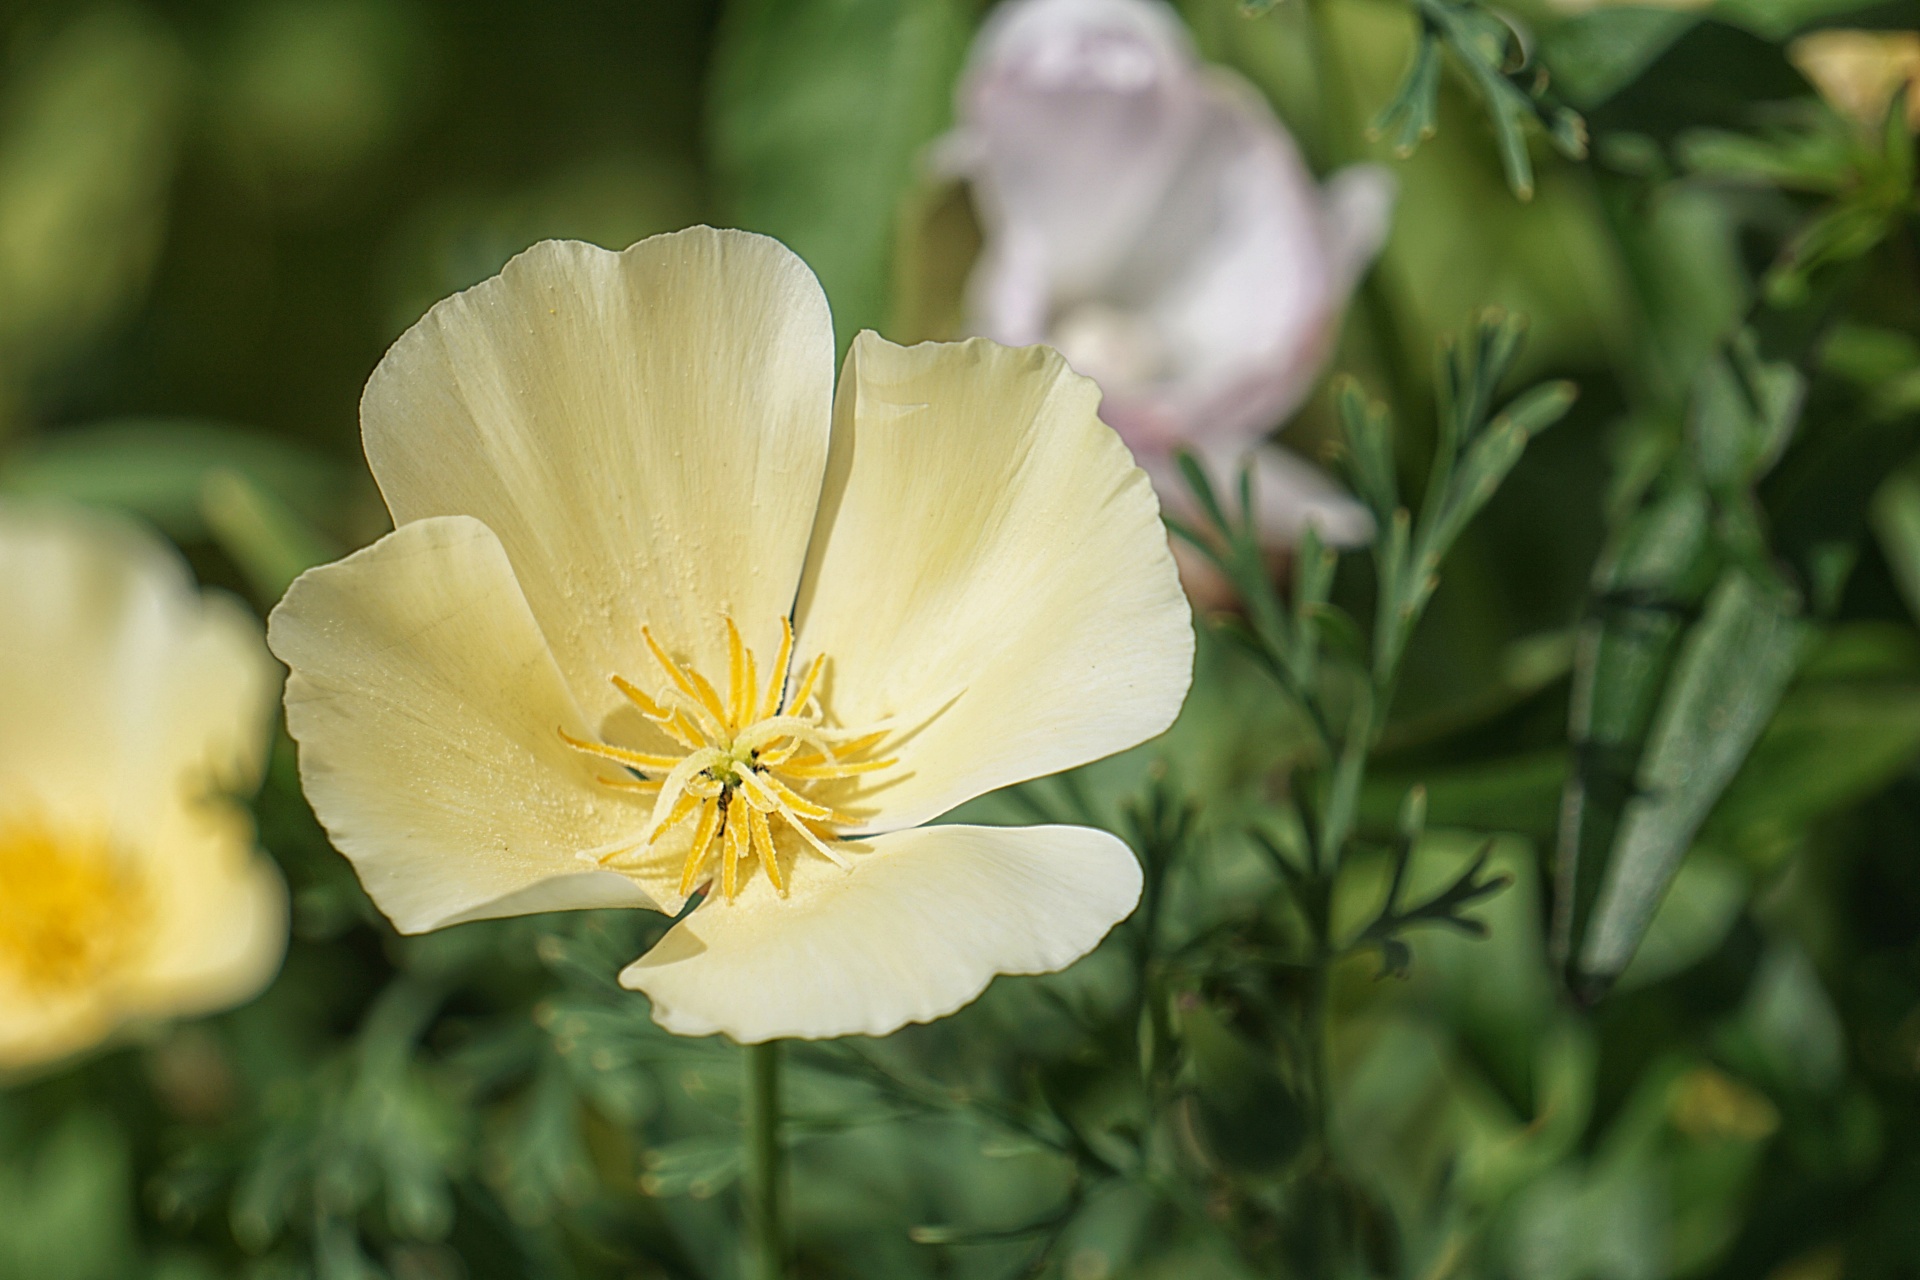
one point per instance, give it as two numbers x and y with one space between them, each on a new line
746 761
70 911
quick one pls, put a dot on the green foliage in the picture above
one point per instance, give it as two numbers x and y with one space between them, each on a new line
66 1198
1726 681
1494 53
87 134
820 113
1527 894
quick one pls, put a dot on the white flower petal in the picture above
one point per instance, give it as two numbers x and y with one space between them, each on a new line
1357 208
1149 215
989 575
220 915
917 929
1247 311
644 432
1075 116
1010 292
47 1030
427 707
120 683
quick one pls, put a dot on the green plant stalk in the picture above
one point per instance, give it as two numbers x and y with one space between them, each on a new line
766 1165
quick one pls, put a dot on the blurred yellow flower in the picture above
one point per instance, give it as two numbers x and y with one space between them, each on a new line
130 708
661 612
1858 72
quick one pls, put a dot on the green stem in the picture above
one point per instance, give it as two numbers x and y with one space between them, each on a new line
1318 1047
766 1159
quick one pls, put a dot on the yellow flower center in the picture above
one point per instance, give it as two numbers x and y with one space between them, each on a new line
745 761
70 911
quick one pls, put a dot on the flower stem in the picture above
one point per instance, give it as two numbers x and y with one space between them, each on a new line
766 1159
1319 1048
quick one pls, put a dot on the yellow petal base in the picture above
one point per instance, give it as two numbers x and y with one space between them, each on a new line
71 912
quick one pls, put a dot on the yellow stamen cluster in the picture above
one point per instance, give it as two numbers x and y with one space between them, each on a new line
748 758
70 911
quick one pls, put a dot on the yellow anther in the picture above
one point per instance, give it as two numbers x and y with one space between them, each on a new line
638 697
619 755
684 729
709 699
620 851
776 682
816 768
854 746
738 688
702 838
667 664
672 720
647 786
749 759
777 757
734 842
804 694
794 801
763 845
682 807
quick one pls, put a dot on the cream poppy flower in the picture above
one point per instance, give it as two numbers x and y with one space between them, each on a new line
1858 72
131 706
662 613
1147 215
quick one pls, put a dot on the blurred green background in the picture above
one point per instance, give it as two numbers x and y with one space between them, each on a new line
214 217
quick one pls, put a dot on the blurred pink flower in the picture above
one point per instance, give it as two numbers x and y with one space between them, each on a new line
1146 214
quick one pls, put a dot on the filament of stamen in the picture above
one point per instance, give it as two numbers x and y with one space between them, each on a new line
619 755
776 682
763 845
702 837
734 840
804 694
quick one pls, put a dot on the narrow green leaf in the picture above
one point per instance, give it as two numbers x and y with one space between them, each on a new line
1485 465
1654 573
1410 115
1368 435
1512 140
1413 814
1896 522
697 1167
1538 408
1202 489
1314 565
1660 566
1343 796
1728 679
1896 143
1391 567
157 468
